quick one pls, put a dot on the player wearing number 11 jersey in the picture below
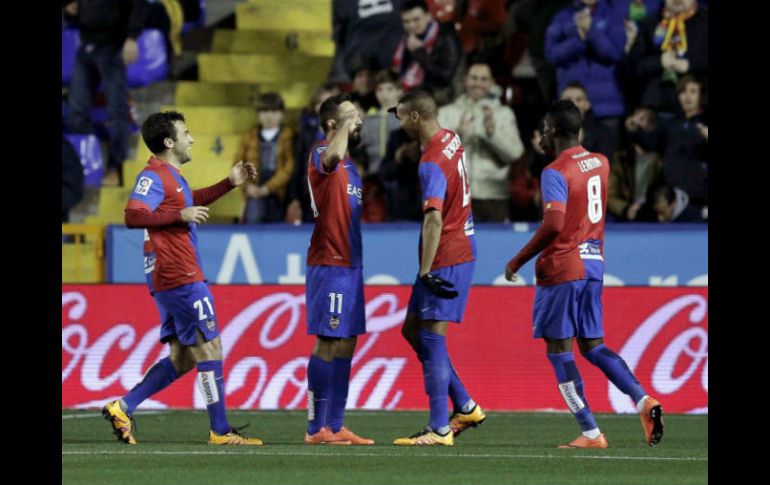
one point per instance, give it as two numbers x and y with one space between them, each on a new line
569 275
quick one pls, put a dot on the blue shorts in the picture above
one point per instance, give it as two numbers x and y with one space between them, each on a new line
571 309
185 308
334 297
431 307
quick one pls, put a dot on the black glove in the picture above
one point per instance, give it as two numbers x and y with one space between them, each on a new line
437 286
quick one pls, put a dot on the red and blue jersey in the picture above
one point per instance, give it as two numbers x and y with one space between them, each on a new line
170 252
444 186
336 197
576 184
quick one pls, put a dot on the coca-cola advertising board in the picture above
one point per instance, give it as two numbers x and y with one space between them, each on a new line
110 338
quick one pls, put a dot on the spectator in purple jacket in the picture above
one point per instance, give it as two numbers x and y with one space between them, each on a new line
586 43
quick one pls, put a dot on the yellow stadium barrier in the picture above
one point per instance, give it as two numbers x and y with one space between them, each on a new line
82 253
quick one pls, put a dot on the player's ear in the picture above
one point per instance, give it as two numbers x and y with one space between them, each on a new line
331 124
168 143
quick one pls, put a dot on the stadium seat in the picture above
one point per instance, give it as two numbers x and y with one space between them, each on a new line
261 68
152 64
304 16
89 150
272 42
70 40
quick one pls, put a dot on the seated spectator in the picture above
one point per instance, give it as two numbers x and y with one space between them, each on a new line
491 138
673 205
586 43
269 147
298 209
669 45
596 137
429 53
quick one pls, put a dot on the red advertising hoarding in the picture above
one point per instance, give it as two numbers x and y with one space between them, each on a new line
110 338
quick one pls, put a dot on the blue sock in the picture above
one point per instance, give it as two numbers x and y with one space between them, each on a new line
571 388
457 392
436 370
319 376
616 370
157 378
338 396
211 384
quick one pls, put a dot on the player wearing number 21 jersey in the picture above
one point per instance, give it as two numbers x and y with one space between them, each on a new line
570 272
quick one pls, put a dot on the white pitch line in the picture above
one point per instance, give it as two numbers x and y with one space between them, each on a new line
383 454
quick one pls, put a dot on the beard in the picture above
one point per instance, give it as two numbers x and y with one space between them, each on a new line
354 139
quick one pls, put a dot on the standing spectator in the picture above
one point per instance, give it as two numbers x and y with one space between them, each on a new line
298 209
531 18
586 43
379 124
108 33
71 179
364 31
596 137
269 148
429 53
491 139
362 90
669 45
683 143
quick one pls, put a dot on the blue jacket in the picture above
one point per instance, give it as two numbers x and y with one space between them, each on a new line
593 61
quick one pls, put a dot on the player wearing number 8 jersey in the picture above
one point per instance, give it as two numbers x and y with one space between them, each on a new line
570 271
447 257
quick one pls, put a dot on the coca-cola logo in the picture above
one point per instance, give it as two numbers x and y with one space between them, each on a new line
273 319
668 353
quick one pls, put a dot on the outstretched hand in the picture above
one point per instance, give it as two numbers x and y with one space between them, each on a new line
241 172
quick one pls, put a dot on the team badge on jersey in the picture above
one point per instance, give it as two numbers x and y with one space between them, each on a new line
143 185
334 321
210 325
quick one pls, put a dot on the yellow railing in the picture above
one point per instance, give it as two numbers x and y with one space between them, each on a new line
82 252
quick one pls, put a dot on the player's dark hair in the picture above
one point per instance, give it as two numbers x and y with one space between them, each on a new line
410 4
159 126
565 118
330 108
420 101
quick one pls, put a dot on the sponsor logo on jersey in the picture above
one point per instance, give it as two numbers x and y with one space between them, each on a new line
357 191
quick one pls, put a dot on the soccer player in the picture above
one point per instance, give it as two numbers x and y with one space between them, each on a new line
334 291
570 272
163 204
447 257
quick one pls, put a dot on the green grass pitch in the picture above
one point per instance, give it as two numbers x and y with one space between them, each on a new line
515 448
